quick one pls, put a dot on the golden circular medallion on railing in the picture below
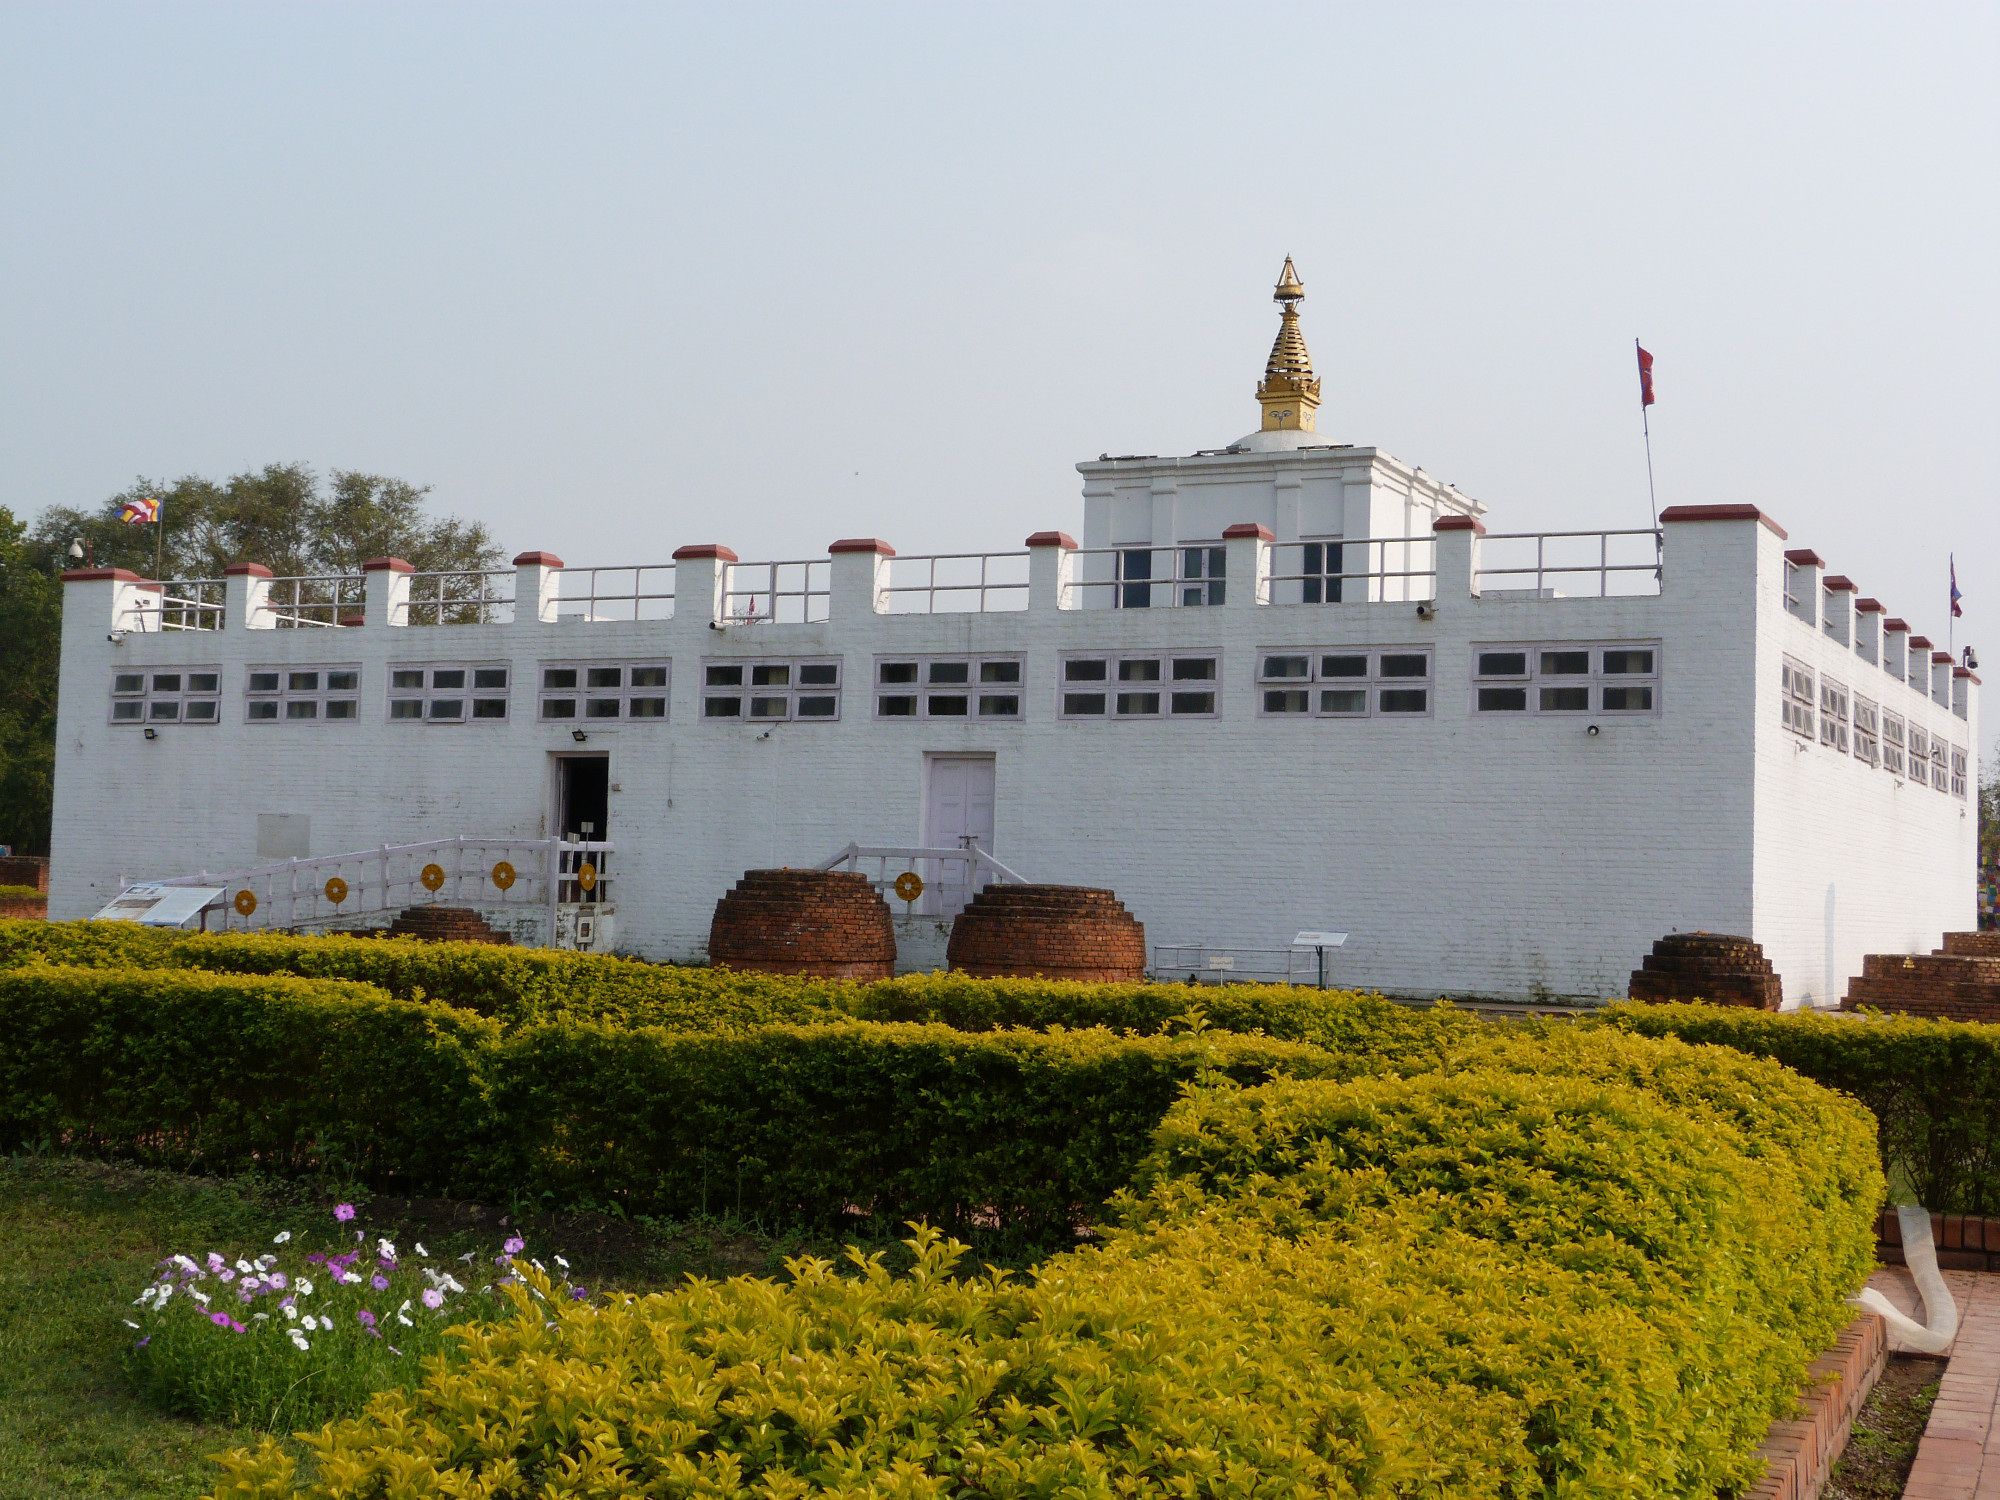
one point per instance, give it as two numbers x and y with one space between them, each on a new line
432 877
336 890
909 885
503 875
586 876
246 902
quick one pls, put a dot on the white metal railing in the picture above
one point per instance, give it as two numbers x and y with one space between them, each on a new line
641 592
1569 559
790 593
1191 575
349 889
1393 569
181 604
319 601
951 877
970 581
460 598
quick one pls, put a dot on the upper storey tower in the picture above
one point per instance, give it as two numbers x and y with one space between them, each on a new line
1289 391
1306 486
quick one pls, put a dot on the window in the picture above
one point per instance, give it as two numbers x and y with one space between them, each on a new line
1833 714
777 690
948 687
1199 573
1918 753
1151 686
1940 765
1321 566
1565 678
302 695
1203 571
1892 744
186 696
1867 732
604 690
1957 772
449 693
1337 684
1796 689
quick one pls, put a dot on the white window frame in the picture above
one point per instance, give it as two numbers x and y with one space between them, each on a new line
172 702
1798 696
1318 682
1536 679
586 699
469 695
1917 753
1833 703
1169 667
1940 765
1892 744
977 691
769 702
315 699
1867 731
1958 773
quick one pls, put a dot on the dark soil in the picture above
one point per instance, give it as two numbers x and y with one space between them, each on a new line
1884 1444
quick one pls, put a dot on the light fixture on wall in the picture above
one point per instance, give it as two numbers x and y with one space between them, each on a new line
1593 731
579 736
152 733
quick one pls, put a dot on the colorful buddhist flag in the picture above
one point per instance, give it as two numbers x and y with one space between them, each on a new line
140 510
1645 376
1957 613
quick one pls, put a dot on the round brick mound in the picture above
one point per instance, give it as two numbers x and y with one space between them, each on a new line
446 924
1056 931
1708 966
828 923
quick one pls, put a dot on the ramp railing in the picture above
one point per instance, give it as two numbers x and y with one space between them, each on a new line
950 877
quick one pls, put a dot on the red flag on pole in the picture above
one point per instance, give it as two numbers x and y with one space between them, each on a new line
1645 376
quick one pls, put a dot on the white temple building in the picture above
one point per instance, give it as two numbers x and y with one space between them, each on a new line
1284 684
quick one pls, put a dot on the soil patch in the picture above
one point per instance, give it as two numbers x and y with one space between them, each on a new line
1884 1443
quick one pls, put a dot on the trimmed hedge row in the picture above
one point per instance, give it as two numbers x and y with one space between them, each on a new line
1934 1086
1009 1136
1487 1282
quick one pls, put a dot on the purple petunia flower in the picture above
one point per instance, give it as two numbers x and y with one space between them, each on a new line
317 1258
578 1293
433 1298
379 1282
143 1342
219 1319
515 1246
343 1212
365 1318
277 1280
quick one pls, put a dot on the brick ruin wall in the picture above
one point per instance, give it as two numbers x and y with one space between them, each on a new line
828 923
1715 967
1958 982
1056 931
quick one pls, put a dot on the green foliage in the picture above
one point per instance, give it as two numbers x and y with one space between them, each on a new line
1485 1281
1011 1136
110 945
30 632
1934 1086
19 893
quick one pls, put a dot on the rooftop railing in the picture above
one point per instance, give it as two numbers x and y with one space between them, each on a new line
463 598
181 604
1147 577
955 582
1366 570
641 592
315 602
1570 564
791 592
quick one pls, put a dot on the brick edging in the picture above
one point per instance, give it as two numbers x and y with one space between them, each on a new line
1799 1452
1965 1242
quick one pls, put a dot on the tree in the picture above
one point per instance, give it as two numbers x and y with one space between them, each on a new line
283 516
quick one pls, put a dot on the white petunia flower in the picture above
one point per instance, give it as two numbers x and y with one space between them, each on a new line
399 1318
292 1313
281 1238
421 1251
199 1296
245 1267
386 1249
130 1324
352 1278
561 1262
304 1285
261 1317
309 1322
299 1341
186 1264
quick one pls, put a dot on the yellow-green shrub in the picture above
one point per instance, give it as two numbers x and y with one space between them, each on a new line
1479 1282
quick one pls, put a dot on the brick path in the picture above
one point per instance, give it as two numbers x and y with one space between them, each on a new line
1959 1458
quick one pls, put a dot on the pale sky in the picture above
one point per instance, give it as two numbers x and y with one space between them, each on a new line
616 279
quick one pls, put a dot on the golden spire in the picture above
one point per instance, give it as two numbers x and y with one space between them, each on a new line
1289 392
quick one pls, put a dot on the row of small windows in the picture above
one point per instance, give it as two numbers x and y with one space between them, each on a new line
1850 724
1529 679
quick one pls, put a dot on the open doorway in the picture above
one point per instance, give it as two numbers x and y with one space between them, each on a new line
583 816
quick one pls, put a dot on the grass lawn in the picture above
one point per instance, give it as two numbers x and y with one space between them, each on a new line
77 1242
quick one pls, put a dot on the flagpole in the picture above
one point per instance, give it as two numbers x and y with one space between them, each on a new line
1646 426
160 543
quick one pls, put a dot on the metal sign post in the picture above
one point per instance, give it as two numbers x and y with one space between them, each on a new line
1319 942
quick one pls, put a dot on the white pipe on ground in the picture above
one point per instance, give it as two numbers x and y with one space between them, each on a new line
1940 1325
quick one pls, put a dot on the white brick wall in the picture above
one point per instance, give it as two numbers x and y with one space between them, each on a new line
1466 854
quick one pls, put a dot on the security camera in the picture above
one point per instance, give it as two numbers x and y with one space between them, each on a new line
1593 731
117 637
1971 660
1427 609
